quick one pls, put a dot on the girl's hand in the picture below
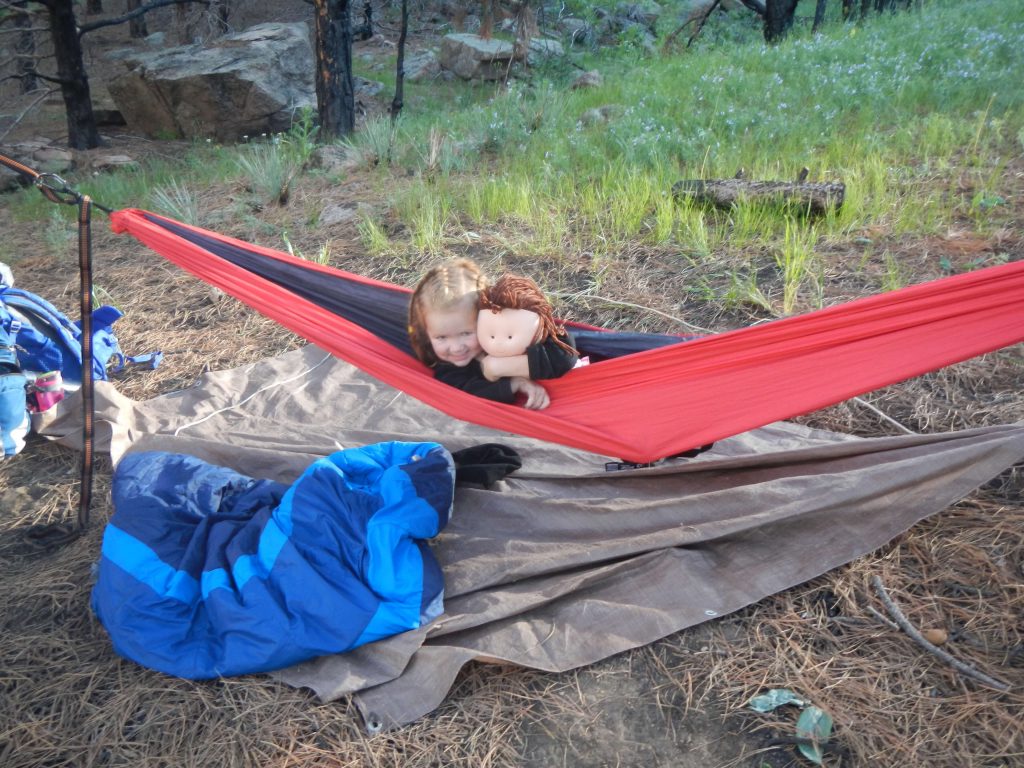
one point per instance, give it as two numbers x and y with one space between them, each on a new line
537 397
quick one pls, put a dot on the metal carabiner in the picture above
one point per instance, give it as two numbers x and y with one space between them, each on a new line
53 186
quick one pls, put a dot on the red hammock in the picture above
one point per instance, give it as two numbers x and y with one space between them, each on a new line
656 403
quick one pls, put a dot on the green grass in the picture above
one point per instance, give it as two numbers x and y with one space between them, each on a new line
908 109
880 105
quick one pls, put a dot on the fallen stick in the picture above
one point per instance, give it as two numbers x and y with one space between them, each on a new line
918 638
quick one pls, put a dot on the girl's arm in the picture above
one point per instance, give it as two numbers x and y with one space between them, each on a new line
495 368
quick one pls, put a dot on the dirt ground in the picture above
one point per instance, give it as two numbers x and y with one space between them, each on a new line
69 701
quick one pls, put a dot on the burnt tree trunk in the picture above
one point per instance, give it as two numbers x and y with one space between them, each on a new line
335 89
74 83
25 48
137 27
223 14
813 197
778 18
819 15
365 30
398 102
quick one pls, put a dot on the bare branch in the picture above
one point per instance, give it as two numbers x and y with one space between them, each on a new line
25 111
22 30
918 638
140 11
756 6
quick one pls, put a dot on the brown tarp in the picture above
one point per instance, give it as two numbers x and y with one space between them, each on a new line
563 563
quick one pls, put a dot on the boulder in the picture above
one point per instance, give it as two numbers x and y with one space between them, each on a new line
105 163
644 12
104 109
52 160
589 79
420 66
337 160
472 57
578 31
543 48
243 84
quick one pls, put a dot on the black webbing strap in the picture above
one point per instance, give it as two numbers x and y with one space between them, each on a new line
55 189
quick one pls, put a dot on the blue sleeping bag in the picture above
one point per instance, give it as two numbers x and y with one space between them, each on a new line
206 572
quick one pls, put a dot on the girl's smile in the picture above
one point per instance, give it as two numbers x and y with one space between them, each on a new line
452 334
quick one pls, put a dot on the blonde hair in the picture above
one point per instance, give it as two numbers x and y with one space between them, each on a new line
442 288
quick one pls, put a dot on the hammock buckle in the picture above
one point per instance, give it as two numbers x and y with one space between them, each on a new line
56 189
618 466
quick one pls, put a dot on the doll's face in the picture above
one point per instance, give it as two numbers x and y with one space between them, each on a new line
508 332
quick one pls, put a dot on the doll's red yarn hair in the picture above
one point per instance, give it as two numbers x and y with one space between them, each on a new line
519 292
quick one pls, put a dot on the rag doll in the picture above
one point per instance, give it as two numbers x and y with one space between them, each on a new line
517 331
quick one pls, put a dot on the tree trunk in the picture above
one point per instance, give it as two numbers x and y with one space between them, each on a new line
865 8
25 48
486 19
778 18
365 30
184 24
137 27
223 14
92 7
819 15
848 9
74 84
398 102
335 90
813 197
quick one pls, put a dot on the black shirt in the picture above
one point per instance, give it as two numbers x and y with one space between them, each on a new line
470 378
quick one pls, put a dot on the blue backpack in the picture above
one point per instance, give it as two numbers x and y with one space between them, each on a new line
36 338
48 341
13 413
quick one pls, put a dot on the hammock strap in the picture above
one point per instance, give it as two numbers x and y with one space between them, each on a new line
55 189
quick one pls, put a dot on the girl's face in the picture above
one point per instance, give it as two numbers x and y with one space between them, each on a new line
452 333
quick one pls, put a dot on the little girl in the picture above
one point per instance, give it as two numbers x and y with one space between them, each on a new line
442 330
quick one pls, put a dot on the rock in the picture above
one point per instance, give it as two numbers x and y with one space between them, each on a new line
243 84
422 65
591 117
364 88
103 107
590 79
378 41
472 57
337 160
113 163
37 154
645 12
598 115
343 213
578 31
52 160
336 214
542 48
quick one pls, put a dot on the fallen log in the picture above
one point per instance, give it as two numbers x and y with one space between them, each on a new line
814 197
